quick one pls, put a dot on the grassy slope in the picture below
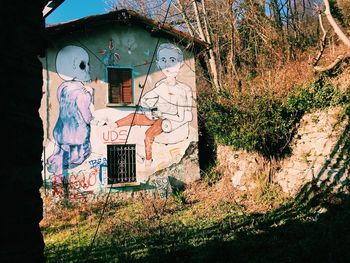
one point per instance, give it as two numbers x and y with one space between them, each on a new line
185 230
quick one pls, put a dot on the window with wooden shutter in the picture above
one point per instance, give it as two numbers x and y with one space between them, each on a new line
120 85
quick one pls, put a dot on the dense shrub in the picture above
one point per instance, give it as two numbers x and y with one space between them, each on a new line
262 123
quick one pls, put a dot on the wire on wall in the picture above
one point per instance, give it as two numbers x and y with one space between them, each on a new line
131 125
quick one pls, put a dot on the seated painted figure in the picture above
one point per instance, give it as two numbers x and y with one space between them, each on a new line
175 111
168 106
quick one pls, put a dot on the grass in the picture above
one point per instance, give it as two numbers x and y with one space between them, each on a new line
200 225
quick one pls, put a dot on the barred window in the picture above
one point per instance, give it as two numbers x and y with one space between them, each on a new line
121 163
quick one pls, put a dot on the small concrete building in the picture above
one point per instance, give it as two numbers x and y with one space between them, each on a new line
119 105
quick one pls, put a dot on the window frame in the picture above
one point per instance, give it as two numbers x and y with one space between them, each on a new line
111 104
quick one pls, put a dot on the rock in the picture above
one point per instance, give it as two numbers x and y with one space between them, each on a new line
236 178
311 158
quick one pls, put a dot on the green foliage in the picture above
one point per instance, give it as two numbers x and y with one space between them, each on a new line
347 110
262 123
211 175
179 197
266 193
316 96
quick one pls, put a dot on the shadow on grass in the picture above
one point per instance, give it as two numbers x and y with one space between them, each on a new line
293 233
313 228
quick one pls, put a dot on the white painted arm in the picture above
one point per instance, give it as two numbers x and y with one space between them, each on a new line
179 117
150 99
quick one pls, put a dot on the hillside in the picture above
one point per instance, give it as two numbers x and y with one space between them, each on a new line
274 147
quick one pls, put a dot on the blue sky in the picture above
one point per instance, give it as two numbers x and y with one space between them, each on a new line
74 9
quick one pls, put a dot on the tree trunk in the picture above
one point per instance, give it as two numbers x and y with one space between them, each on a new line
232 57
207 37
199 23
185 18
342 37
276 14
335 26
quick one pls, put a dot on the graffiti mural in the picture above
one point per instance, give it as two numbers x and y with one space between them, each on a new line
167 107
110 56
81 122
76 185
163 186
72 129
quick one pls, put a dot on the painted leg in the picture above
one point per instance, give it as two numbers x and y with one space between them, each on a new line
151 133
140 119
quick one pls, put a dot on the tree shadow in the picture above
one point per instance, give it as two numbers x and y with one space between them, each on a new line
333 177
279 236
292 233
312 228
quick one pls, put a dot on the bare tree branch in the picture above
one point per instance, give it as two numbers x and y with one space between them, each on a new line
199 23
339 33
339 59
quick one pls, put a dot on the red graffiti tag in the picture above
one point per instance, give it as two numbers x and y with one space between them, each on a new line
115 136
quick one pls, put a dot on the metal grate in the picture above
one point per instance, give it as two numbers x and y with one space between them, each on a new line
121 163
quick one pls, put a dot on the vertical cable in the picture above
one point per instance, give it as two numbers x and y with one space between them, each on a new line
131 124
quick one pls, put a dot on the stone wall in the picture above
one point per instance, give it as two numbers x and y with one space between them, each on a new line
316 148
318 154
186 171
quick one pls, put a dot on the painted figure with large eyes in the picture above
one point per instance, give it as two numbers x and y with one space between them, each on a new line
72 129
171 99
